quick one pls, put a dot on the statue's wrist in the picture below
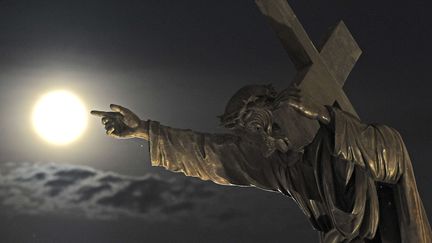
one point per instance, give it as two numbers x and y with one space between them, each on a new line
142 131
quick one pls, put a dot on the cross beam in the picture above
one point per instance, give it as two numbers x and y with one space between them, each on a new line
321 72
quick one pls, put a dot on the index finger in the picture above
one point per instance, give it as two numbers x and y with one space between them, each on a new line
120 109
104 113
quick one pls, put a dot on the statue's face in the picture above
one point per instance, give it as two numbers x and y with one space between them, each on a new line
259 129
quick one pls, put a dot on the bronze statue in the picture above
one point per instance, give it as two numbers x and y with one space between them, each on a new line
353 181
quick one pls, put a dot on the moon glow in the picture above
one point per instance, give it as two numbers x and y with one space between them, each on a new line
59 117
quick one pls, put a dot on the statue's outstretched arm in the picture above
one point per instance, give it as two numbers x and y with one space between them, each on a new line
215 157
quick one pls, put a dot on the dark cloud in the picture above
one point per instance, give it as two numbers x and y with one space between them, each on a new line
30 188
91 205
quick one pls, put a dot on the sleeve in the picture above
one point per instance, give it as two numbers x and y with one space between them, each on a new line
215 157
381 151
377 148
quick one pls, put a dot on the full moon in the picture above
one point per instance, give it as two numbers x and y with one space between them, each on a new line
59 117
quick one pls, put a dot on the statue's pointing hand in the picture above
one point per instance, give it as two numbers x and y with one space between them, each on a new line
306 106
122 123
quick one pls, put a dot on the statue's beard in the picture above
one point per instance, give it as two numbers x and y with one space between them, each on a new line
271 144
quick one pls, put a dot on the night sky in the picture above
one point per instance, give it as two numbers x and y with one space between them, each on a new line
178 62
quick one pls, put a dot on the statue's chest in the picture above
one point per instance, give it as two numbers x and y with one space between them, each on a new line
294 176
301 180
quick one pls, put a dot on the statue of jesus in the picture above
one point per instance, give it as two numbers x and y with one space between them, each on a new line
354 181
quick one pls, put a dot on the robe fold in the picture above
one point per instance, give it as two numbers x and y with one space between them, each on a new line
354 182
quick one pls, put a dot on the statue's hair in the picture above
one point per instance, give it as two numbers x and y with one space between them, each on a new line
251 96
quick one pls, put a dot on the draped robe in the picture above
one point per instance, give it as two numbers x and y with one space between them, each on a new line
354 182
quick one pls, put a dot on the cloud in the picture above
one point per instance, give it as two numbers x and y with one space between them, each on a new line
39 188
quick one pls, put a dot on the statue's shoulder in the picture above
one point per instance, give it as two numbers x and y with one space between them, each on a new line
224 139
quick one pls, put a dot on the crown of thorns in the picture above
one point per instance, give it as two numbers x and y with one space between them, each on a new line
248 105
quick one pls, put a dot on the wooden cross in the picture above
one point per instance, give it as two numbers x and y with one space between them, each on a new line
321 71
